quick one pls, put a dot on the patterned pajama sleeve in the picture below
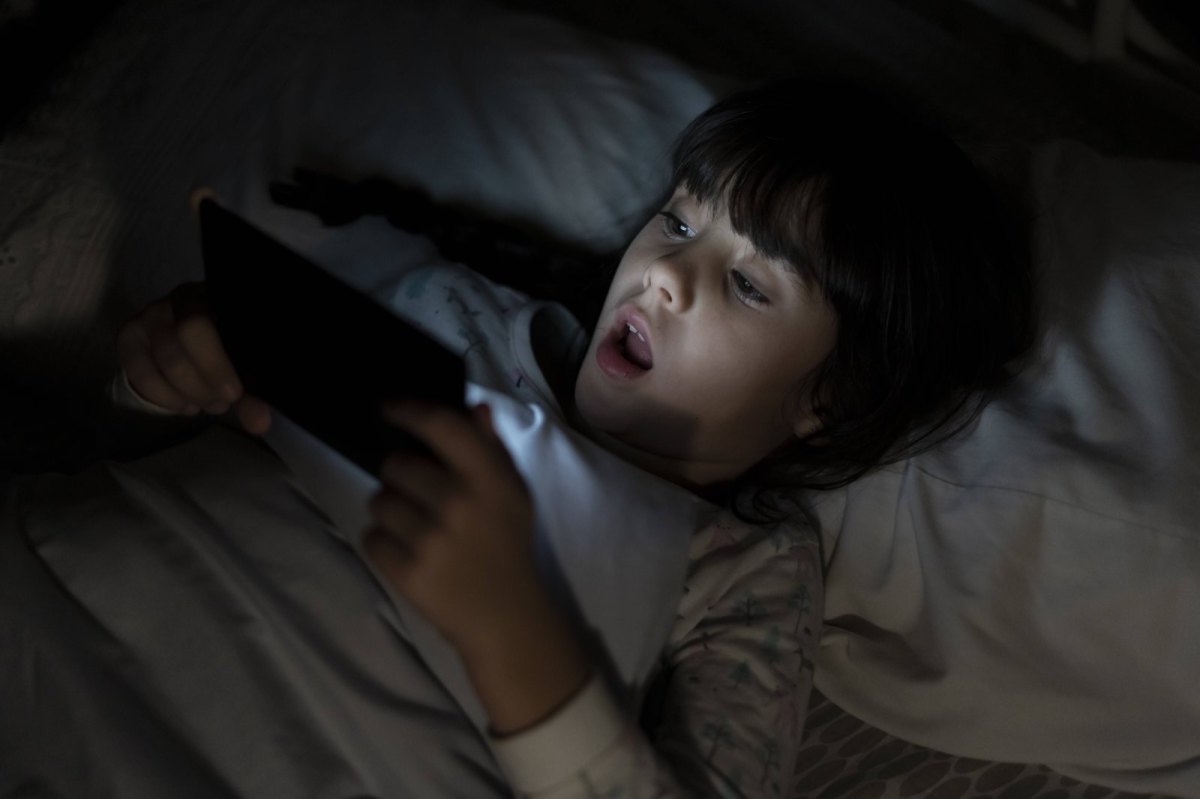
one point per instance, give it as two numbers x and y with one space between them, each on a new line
727 708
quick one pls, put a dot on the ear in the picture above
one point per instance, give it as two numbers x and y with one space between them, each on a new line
803 401
804 419
805 424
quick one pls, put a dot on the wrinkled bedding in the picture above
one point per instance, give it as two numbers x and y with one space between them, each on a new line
187 625
940 569
212 598
1033 586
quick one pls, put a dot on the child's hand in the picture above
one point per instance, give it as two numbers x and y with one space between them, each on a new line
455 537
173 357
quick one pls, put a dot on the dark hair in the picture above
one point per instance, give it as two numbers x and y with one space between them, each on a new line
926 267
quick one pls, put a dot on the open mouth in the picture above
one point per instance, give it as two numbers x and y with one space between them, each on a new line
625 351
634 347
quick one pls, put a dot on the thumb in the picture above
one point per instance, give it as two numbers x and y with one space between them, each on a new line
254 414
483 415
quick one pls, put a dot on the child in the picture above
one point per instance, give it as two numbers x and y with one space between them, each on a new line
826 286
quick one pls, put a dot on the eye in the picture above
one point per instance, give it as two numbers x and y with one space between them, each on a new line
746 290
675 228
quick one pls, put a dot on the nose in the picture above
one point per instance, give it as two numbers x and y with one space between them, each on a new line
671 284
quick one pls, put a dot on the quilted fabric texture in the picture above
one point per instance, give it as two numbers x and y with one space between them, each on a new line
841 757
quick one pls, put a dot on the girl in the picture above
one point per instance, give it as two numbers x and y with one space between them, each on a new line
826 286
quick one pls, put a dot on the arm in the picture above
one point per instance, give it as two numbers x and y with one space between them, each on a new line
733 691
454 536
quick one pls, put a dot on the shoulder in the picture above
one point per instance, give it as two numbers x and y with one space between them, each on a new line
726 539
736 564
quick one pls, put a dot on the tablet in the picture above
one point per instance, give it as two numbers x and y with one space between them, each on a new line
317 350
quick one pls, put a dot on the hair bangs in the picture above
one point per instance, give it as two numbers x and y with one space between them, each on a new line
772 196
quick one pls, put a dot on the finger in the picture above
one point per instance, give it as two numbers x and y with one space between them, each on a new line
398 516
420 479
143 374
199 195
176 366
199 338
254 415
149 384
455 438
156 316
389 555
483 417
195 332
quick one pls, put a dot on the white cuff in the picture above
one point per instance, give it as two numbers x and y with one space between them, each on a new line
123 396
564 744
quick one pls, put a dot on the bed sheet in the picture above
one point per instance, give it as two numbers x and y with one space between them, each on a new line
188 625
204 616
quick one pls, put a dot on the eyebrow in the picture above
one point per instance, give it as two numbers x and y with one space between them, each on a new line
684 199
780 266
804 284
786 269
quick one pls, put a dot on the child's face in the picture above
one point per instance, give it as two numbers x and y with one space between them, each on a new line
730 334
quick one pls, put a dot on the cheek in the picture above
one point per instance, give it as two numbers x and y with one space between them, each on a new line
717 378
747 385
752 378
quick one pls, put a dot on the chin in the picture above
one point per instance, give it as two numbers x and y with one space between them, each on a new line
591 407
602 411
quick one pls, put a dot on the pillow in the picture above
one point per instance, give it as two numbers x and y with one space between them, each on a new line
1028 593
513 114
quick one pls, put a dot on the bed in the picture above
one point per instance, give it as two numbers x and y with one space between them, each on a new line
1073 496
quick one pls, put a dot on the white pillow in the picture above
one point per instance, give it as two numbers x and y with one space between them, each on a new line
1029 593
